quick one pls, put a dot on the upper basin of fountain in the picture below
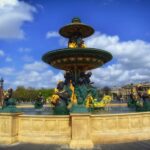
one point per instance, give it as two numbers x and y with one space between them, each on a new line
77 56
82 58
76 26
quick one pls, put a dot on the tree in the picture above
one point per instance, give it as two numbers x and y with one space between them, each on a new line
31 94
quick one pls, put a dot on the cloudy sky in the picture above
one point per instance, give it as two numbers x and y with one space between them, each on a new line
29 28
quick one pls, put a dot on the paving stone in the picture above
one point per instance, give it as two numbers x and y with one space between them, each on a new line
140 145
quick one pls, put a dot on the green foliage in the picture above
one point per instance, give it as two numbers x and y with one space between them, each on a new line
31 94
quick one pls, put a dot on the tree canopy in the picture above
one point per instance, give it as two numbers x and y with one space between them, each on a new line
30 94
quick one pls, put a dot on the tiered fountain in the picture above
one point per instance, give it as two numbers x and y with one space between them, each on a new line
73 99
76 93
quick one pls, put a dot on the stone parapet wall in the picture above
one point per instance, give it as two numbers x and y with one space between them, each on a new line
77 130
115 128
44 129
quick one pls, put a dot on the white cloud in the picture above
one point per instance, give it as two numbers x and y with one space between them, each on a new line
24 50
36 66
8 59
46 79
6 71
132 63
27 58
4 3
2 53
52 34
13 14
36 75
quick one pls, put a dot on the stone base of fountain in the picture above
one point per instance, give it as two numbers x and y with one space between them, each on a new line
75 130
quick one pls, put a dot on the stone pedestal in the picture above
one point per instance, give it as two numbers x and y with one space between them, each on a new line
81 137
9 128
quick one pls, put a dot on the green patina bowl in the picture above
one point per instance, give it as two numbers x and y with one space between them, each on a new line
80 58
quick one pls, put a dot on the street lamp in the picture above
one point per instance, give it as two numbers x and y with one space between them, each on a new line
1 90
1 82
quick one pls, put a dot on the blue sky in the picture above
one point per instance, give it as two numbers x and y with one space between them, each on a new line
28 29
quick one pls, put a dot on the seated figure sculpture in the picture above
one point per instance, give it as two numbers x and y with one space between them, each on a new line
68 77
85 78
39 102
76 41
9 103
7 96
139 100
60 99
146 101
82 78
85 88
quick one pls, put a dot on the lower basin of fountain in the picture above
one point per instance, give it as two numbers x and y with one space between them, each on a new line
106 110
115 124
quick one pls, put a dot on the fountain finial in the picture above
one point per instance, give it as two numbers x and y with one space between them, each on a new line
76 20
76 27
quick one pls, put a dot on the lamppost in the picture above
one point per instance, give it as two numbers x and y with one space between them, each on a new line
1 83
1 91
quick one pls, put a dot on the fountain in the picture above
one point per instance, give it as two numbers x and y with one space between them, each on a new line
76 94
73 101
